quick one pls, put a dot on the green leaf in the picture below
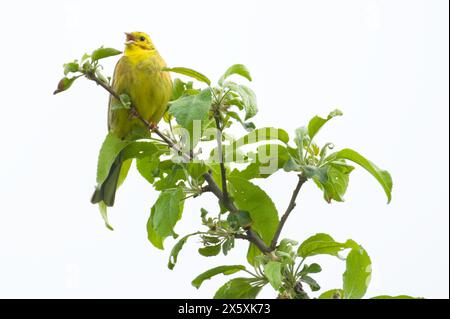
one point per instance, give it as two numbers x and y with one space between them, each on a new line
394 297
64 84
311 269
332 294
286 246
285 251
235 101
228 245
141 149
71 67
124 103
301 140
311 283
101 77
176 250
259 135
322 244
166 212
190 108
291 165
191 91
148 168
87 67
314 268
382 176
269 159
324 150
189 72
248 98
102 53
333 180
248 126
357 274
203 213
317 173
196 170
239 219
178 89
191 112
85 57
152 235
226 270
238 288
210 239
249 197
104 213
209 251
239 69
316 123
111 148
170 176
272 270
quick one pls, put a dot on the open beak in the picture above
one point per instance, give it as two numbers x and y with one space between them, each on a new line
130 39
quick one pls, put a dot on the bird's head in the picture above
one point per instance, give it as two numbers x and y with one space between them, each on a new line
136 41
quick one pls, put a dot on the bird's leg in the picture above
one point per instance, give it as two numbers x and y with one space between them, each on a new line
134 112
152 126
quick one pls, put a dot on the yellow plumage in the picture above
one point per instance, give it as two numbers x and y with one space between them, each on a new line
139 75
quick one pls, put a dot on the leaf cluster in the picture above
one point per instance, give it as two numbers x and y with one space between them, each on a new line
244 211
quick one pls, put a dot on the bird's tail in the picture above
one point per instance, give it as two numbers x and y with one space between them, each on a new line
106 192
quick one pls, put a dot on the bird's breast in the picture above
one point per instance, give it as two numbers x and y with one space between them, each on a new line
152 88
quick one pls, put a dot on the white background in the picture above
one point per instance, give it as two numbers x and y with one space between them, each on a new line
384 63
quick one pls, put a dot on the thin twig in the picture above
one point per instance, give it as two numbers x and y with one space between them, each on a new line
241 236
148 125
223 170
228 203
290 208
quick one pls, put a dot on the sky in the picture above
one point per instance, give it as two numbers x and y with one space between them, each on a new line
383 63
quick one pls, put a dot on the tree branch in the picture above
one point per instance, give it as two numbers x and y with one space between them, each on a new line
228 203
214 188
223 195
223 170
290 208
212 185
240 236
135 113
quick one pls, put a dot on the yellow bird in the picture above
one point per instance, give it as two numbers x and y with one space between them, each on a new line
139 75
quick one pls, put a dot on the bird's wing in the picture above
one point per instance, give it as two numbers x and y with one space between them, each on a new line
121 75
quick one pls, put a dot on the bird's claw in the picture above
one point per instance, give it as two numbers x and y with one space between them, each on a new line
134 112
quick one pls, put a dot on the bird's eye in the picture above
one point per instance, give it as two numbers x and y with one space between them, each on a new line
142 38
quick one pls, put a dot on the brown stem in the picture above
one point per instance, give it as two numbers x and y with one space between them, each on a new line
223 170
149 126
91 76
214 188
228 203
290 208
241 236
257 241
